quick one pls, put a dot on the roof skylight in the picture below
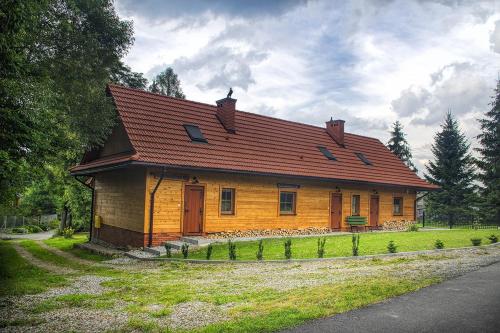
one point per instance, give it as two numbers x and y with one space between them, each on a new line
363 158
328 154
194 133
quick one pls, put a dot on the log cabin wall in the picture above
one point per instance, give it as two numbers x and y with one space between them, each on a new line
257 202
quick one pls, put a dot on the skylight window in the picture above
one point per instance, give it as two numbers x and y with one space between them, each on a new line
328 154
364 159
194 133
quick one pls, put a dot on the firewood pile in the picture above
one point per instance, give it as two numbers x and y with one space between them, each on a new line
398 225
268 232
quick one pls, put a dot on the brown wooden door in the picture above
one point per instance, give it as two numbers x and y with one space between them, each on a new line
374 208
193 209
336 211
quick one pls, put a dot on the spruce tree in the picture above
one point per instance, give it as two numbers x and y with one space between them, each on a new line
489 162
167 83
399 146
452 170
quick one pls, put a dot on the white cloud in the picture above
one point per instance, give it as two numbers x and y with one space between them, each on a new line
368 62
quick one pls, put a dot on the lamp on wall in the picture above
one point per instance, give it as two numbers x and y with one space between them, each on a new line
375 192
337 189
195 180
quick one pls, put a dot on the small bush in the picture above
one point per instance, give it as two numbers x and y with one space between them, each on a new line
476 241
413 227
20 230
68 232
321 247
54 224
168 249
493 238
439 244
33 228
210 248
355 245
391 247
260 250
44 226
288 249
185 250
231 247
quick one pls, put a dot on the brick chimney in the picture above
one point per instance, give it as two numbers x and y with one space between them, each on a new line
335 128
226 109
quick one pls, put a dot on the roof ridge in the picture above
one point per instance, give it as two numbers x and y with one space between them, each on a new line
238 111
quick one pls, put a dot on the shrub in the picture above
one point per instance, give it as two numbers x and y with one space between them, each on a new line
44 226
476 241
19 230
33 228
168 249
288 249
321 247
413 227
391 247
54 224
210 248
68 232
493 238
355 245
231 247
185 250
260 250
439 244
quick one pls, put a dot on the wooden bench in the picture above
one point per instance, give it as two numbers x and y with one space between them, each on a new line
357 222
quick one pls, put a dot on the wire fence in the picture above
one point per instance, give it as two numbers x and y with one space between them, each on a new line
9 222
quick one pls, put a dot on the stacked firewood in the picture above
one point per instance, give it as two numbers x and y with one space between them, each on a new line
269 232
401 225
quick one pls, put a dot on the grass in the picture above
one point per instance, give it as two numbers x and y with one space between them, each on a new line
67 244
340 246
253 294
18 277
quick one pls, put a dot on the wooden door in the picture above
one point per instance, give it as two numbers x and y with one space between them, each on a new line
336 211
193 209
374 208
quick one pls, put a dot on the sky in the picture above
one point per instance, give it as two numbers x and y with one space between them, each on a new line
367 62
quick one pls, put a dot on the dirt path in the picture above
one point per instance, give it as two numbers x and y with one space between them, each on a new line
40 263
67 255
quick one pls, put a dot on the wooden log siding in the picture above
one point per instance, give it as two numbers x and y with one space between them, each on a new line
257 203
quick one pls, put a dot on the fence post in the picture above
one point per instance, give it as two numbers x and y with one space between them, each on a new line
423 218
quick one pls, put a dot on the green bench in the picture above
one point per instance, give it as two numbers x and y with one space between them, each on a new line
357 221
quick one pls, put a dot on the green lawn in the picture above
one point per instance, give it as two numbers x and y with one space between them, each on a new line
18 277
340 246
247 297
67 245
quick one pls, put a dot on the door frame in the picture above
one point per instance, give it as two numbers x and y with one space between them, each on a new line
370 210
184 198
338 194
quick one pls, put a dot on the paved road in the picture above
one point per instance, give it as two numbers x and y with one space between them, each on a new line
470 303
37 236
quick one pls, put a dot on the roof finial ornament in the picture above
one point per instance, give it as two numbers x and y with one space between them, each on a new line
331 118
230 93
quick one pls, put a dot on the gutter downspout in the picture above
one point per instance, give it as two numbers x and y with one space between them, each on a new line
91 207
152 206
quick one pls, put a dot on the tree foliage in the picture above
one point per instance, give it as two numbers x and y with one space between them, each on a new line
489 162
167 83
399 146
453 170
56 58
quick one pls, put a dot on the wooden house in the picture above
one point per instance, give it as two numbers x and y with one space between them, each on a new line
174 167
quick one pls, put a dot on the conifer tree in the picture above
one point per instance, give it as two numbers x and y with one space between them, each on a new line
452 170
489 162
399 146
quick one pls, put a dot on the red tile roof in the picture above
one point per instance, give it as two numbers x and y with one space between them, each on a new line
261 144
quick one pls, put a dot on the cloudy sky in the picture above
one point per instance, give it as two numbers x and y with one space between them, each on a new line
367 62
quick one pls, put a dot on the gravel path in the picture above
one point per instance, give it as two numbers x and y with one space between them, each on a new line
40 263
226 278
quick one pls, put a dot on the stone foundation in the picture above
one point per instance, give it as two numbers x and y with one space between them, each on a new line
124 238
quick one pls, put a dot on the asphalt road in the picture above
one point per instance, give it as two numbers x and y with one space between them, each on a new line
470 303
